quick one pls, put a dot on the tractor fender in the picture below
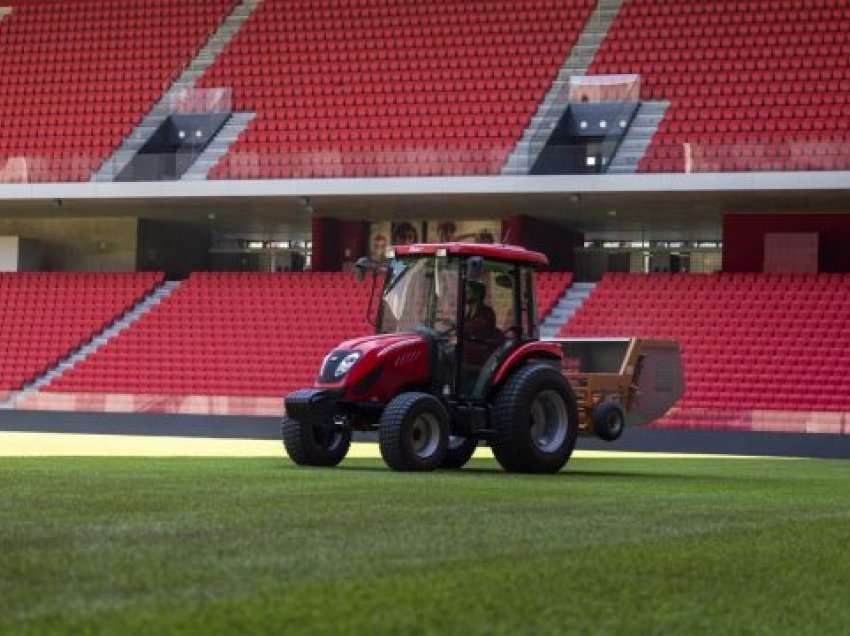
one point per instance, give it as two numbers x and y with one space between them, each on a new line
523 354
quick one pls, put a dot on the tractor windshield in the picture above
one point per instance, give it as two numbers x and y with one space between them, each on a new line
420 291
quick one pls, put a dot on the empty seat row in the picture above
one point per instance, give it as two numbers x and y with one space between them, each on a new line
45 317
240 334
371 48
80 51
715 61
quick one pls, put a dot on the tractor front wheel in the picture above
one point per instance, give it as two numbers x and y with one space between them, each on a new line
413 432
314 444
535 421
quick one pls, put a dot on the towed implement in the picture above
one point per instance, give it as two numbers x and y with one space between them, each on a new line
456 361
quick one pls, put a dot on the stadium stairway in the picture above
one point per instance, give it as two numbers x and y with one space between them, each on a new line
98 341
566 307
226 31
554 104
46 317
218 147
638 137
551 287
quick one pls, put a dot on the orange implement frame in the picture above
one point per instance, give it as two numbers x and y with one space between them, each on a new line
643 377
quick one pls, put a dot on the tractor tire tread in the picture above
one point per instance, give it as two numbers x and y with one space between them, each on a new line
293 442
391 431
305 452
511 441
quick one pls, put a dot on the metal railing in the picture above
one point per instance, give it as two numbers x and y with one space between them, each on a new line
433 161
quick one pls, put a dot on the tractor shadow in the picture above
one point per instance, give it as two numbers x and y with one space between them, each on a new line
494 472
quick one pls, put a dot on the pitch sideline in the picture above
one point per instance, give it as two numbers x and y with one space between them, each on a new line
15 444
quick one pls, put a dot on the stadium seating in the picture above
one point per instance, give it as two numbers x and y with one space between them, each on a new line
45 316
751 341
78 75
377 88
229 334
239 335
752 84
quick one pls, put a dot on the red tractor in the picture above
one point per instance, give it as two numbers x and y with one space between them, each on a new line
455 360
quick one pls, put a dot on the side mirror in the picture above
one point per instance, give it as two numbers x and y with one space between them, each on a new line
474 268
360 267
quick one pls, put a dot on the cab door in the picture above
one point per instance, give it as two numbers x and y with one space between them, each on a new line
492 324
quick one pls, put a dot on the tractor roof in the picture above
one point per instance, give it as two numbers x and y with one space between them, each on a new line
512 253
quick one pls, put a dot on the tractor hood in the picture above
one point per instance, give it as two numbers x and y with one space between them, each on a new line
374 368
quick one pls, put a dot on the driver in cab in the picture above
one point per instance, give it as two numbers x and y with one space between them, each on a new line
479 327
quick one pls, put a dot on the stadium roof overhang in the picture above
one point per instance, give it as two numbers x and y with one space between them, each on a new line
676 204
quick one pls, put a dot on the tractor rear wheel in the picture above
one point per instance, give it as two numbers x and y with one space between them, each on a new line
535 421
459 452
413 432
314 444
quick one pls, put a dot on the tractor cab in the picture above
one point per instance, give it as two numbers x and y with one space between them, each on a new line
473 304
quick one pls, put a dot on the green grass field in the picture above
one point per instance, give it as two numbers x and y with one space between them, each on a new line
627 546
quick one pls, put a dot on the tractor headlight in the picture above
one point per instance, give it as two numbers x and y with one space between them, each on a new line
346 363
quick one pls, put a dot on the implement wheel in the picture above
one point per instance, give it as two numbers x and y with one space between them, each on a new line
608 421
535 421
314 444
413 432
